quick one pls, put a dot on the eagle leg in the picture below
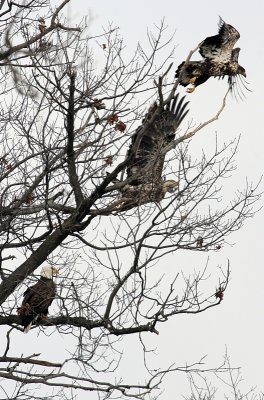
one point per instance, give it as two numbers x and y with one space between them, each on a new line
193 80
42 317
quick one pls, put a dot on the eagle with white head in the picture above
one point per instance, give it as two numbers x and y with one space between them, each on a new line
38 298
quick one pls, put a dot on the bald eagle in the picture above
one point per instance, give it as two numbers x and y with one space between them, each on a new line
38 298
146 154
219 59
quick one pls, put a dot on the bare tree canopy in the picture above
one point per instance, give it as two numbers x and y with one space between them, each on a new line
85 130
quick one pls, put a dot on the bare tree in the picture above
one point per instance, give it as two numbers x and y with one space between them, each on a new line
70 104
207 388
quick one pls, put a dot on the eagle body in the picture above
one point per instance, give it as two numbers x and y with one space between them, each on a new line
38 298
220 59
194 69
144 192
137 195
147 151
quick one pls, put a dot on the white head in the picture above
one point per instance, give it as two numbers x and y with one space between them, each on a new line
49 272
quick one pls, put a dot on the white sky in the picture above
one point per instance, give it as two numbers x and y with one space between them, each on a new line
238 322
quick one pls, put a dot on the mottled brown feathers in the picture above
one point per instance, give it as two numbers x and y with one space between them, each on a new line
147 151
219 59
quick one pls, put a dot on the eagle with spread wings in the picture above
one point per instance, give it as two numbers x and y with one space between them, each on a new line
146 154
219 59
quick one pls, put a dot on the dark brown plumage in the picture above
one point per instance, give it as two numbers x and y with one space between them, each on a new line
38 298
147 151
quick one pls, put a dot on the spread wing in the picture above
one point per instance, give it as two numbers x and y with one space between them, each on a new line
219 48
146 152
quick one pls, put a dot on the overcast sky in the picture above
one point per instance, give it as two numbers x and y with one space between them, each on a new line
238 322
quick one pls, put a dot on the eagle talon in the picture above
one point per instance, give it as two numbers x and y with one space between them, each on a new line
190 90
43 317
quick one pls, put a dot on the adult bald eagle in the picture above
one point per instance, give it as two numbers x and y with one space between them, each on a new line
219 59
38 298
146 154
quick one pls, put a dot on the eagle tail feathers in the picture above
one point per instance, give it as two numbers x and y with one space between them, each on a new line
28 324
27 328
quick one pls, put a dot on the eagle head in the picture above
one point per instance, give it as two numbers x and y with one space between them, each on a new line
49 272
170 185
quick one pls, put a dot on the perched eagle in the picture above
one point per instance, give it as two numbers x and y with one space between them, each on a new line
219 59
146 154
38 298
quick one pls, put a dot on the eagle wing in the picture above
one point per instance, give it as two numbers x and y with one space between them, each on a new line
235 54
45 291
219 48
28 294
36 301
145 156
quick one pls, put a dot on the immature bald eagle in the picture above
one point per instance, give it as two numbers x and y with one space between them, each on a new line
146 154
219 59
38 298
